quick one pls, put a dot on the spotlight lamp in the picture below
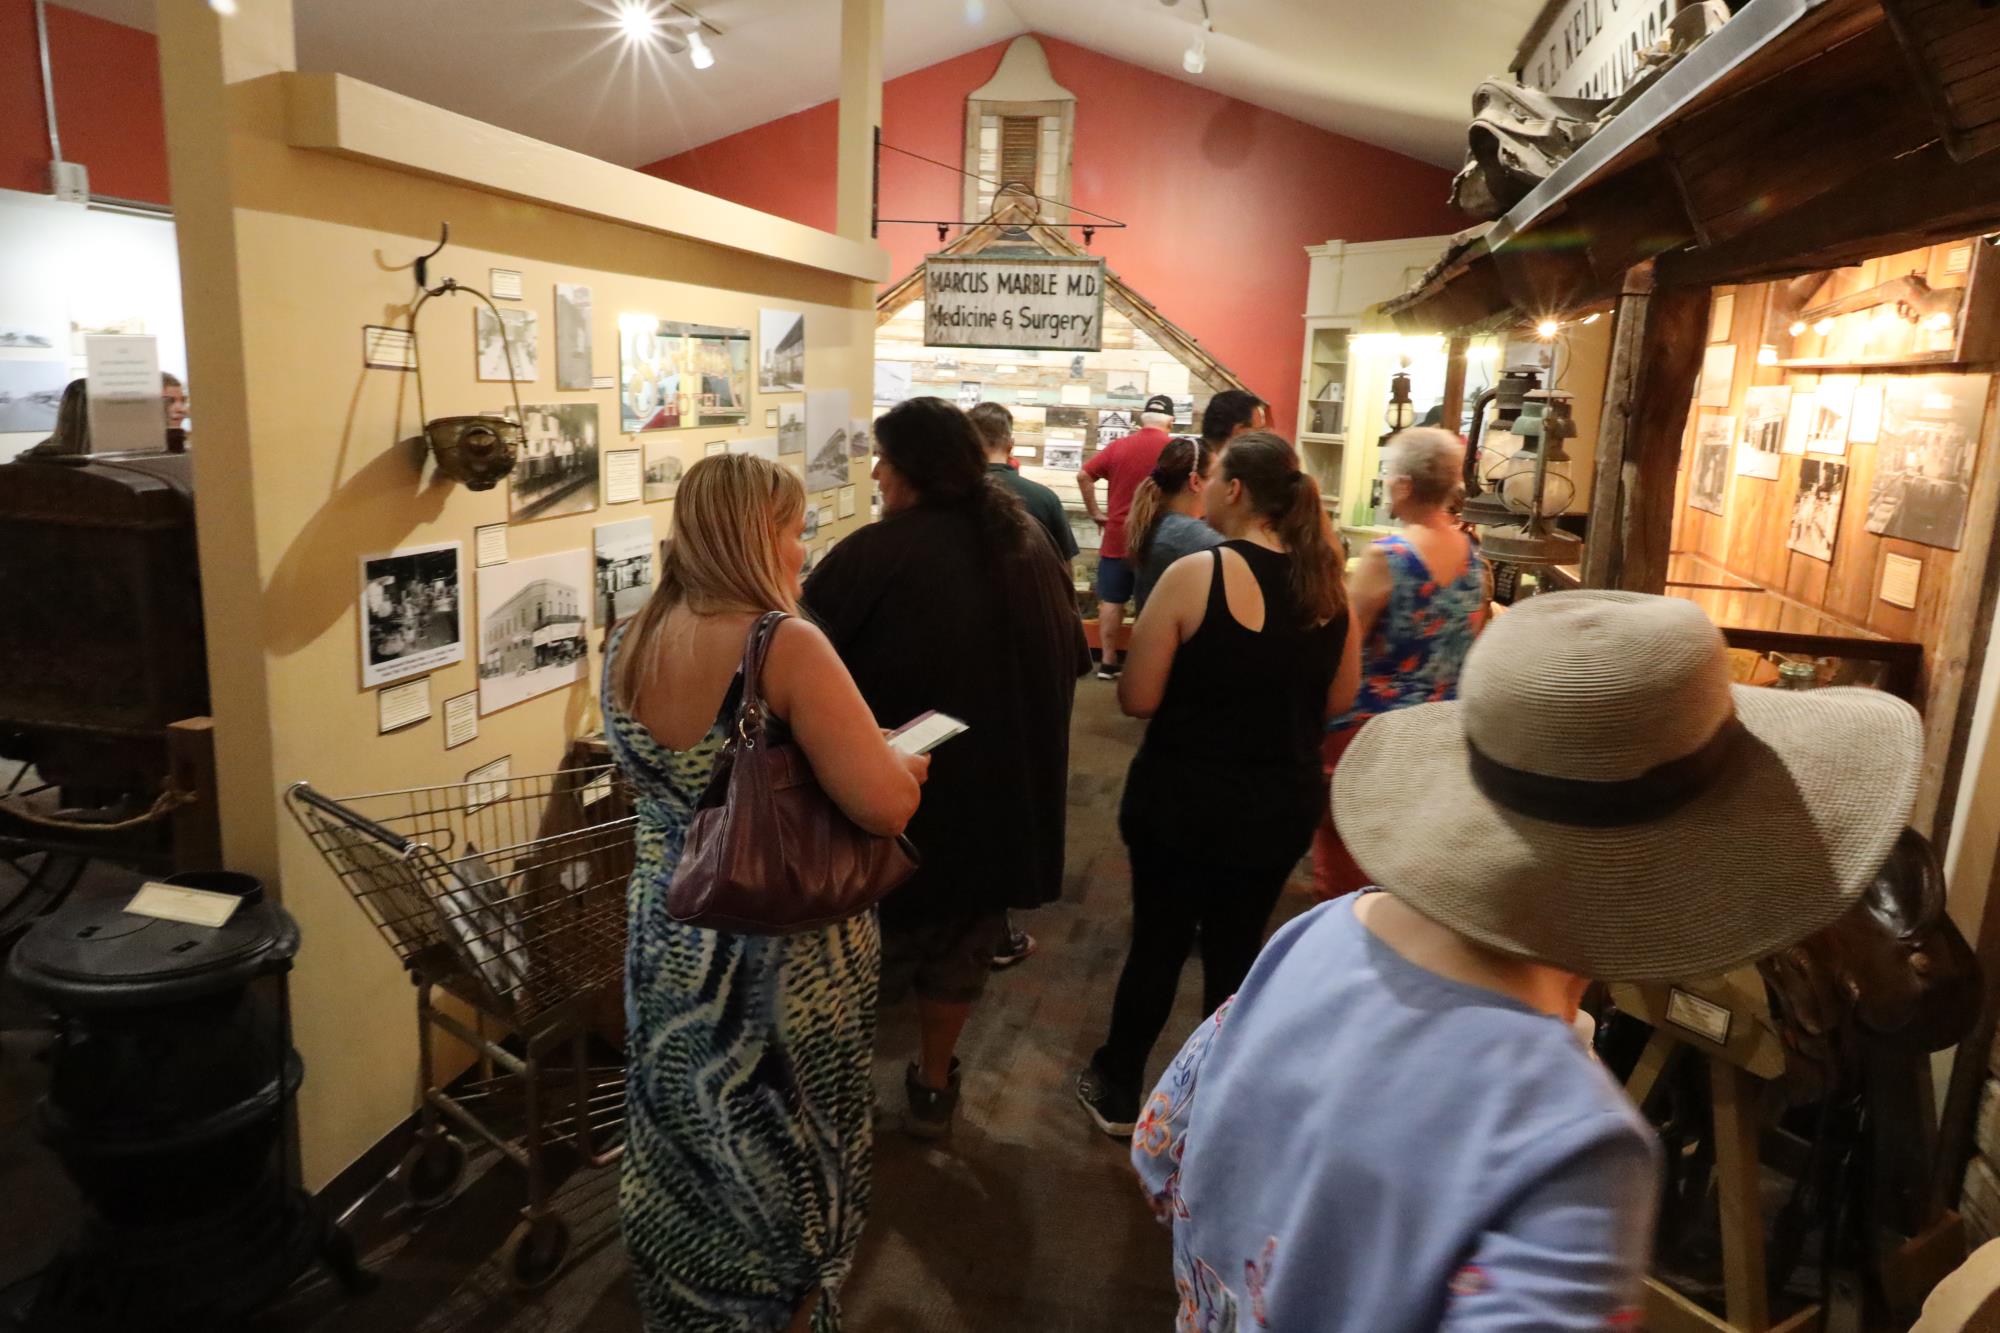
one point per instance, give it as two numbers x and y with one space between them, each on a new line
698 53
1195 59
1547 329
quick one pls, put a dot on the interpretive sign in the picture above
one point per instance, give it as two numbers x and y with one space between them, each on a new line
1027 302
1591 48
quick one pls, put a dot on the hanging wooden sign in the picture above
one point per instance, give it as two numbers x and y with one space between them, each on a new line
1026 302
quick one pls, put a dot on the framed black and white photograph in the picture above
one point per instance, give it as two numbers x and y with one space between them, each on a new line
1799 415
30 394
1718 376
573 348
1708 484
1833 406
1923 461
1114 425
1062 457
781 343
412 612
828 411
663 471
523 340
1816 508
860 440
791 428
556 473
1762 448
624 566
534 627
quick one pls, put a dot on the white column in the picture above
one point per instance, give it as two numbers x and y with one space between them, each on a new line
860 114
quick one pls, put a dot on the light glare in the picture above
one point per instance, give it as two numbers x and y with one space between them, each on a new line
635 20
1547 329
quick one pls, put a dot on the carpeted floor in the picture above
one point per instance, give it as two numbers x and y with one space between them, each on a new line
1026 1219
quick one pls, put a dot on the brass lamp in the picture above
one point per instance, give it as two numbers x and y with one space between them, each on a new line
1524 483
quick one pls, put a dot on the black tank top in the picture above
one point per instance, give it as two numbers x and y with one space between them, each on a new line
1236 741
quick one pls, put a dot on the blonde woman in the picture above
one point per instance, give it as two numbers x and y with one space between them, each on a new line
745 1182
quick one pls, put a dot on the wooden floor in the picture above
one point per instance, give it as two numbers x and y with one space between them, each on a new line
1027 1219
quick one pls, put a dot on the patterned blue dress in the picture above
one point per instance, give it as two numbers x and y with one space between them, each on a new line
749 1141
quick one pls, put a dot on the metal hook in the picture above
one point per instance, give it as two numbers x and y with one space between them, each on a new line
423 260
942 229
1088 234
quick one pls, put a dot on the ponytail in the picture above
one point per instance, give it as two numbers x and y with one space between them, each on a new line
1179 462
1289 501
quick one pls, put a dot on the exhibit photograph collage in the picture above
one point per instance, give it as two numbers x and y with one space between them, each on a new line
526 621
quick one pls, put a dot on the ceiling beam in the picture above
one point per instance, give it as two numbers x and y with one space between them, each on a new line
1918 199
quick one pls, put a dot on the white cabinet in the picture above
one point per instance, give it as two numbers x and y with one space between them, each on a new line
1338 384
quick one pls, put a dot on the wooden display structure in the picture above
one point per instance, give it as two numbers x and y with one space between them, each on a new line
1749 1055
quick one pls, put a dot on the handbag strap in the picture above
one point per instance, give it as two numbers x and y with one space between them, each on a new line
752 712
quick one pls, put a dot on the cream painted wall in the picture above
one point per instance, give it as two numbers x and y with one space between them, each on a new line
303 468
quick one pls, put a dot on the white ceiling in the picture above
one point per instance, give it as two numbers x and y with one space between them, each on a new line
1399 74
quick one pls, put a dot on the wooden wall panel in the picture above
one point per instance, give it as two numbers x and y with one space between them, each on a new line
1748 539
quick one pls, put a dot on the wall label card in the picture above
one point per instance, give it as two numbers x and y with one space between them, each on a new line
489 545
505 284
190 907
1704 1018
402 705
847 502
384 348
623 476
603 381
714 447
1900 578
461 719
489 783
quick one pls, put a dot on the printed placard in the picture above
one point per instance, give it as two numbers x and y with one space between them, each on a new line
1900 579
1704 1018
623 476
489 783
489 545
384 348
190 907
399 706
461 719
505 284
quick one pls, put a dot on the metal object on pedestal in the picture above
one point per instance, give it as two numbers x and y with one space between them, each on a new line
169 1082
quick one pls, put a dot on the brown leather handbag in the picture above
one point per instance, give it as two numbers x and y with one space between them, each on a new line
768 852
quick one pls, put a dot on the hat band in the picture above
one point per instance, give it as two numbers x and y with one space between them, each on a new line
1582 803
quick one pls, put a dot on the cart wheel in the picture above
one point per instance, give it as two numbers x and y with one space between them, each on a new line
431 1169
535 1252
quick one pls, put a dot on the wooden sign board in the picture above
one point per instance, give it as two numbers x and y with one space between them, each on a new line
1028 303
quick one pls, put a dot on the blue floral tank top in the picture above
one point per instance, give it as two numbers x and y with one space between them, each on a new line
1413 652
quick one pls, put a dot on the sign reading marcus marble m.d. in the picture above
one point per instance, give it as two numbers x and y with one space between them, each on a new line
1026 302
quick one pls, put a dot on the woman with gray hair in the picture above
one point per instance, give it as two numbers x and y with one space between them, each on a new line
1418 599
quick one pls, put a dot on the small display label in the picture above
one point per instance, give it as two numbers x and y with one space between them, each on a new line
1705 1018
191 907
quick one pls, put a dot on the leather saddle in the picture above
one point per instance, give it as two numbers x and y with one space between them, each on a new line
1895 970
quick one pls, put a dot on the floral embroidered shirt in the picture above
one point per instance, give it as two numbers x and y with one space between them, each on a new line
1415 648
1354 1144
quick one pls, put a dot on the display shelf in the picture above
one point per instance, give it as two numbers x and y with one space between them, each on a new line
1317 437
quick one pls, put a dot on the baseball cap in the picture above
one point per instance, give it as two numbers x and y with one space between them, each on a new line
1160 403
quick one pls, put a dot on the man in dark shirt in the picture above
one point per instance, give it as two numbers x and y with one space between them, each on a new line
995 425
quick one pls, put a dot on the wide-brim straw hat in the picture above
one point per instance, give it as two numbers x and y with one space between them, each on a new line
1602 798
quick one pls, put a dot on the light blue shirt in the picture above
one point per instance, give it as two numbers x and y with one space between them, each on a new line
1354 1144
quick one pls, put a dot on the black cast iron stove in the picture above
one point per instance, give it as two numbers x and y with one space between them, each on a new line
169 1083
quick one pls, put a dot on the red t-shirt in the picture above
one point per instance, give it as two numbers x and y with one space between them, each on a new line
1127 462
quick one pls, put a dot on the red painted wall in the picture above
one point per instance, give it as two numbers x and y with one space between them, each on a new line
1223 197
108 109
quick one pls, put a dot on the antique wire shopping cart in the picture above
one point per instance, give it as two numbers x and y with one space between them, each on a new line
509 896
